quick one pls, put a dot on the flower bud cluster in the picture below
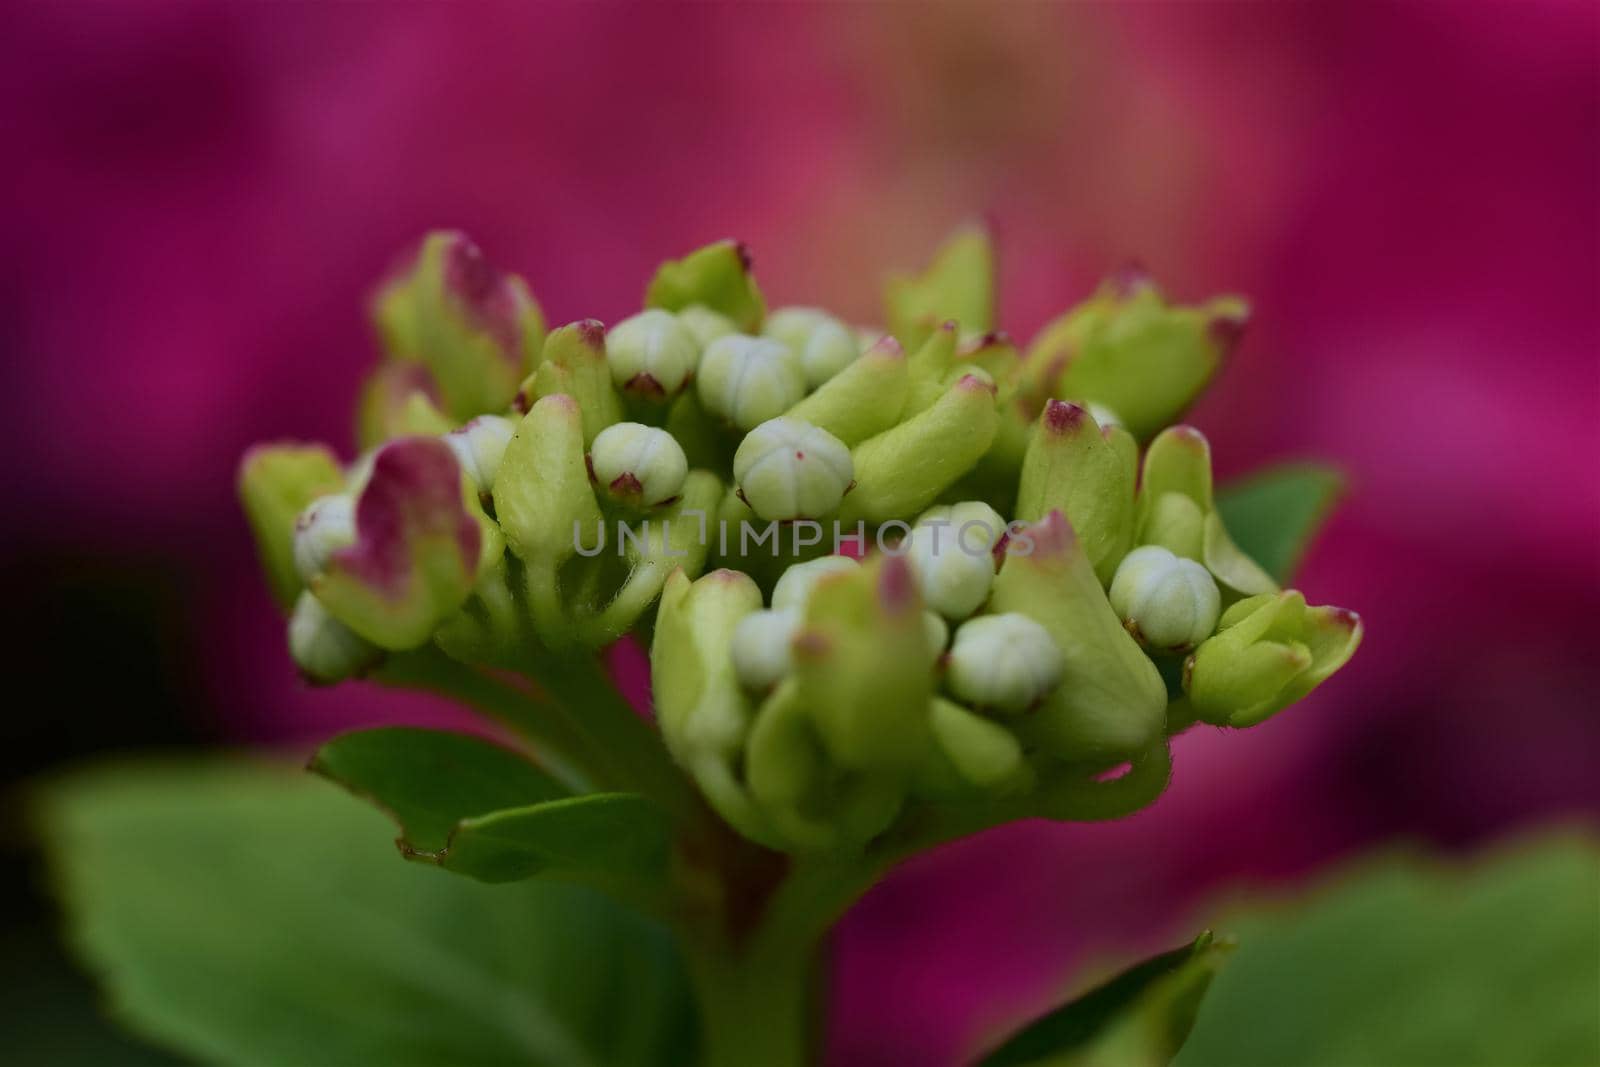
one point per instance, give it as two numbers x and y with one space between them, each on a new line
1040 550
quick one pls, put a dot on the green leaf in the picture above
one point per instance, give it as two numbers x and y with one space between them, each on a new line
252 914
613 839
1407 962
1274 514
430 780
1140 1016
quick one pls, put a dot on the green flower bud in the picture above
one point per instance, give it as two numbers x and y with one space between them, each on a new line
864 399
275 483
325 649
794 587
326 525
421 539
937 629
479 446
951 552
992 353
982 752
716 277
1177 511
1112 703
788 469
1269 651
575 363
638 465
748 380
761 648
1072 467
652 355
958 284
904 469
1169 603
398 399
705 324
1128 349
1003 662
476 329
824 345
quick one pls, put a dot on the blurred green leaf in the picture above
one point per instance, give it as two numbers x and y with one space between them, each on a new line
1403 962
613 839
1273 514
1139 1017
429 780
252 914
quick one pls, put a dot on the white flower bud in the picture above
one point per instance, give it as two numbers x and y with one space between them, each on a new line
1004 662
325 649
938 630
706 325
794 588
651 354
748 380
1168 602
637 464
951 552
790 469
824 345
478 447
761 647
326 525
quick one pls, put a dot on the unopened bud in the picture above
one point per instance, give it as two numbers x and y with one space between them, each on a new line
794 588
788 469
1168 602
325 649
824 345
951 552
478 447
651 354
761 648
638 465
325 526
748 380
706 325
938 630
1004 662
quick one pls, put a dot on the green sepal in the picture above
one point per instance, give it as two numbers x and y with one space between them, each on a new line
491 627
901 471
717 277
863 667
1269 651
1111 703
864 399
1071 467
1130 350
704 715
929 367
970 754
430 780
477 330
421 540
542 496
995 355
397 401
574 362
958 284
275 483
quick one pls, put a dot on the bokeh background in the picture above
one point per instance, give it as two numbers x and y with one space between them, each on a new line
198 198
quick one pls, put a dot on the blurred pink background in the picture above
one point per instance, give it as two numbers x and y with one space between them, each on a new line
199 198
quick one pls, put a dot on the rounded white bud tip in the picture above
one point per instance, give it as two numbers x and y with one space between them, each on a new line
326 525
651 354
706 325
824 345
748 380
637 464
325 649
951 553
479 445
1003 662
790 469
1168 602
794 588
761 649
